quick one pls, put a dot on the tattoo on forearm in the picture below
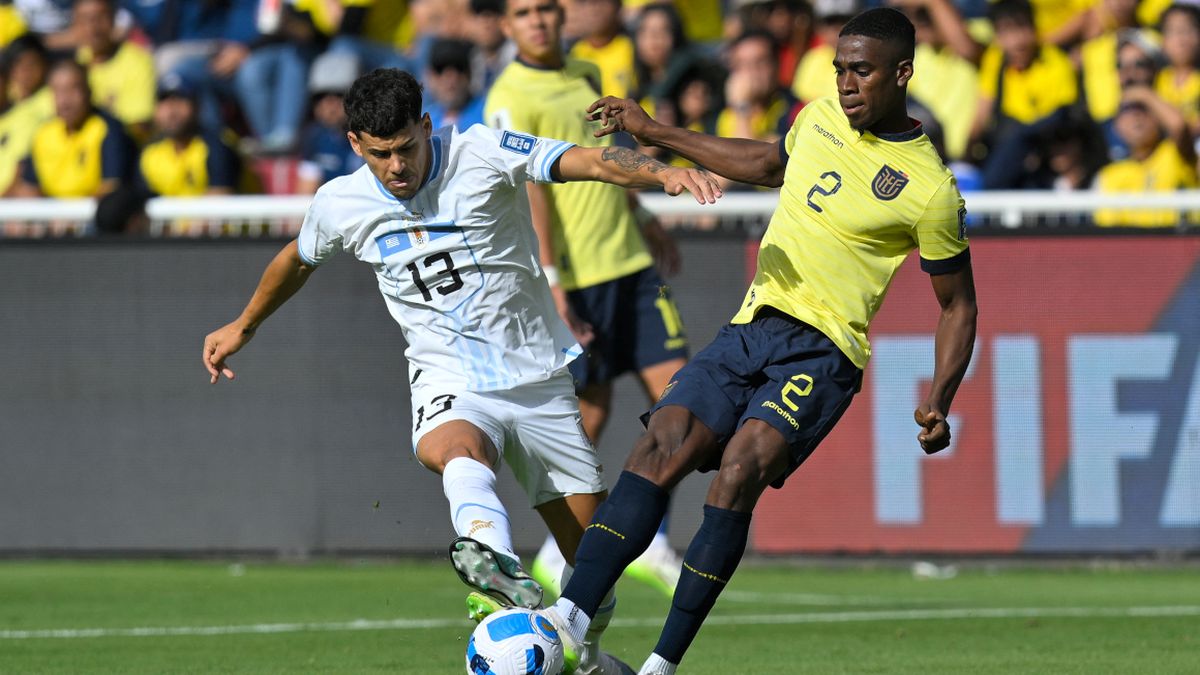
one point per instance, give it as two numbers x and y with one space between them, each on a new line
631 161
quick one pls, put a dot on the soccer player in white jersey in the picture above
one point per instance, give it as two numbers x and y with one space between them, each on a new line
442 217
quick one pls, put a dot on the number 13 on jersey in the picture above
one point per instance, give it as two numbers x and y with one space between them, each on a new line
432 265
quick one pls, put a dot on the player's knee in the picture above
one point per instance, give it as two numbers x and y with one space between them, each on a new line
672 447
435 458
747 468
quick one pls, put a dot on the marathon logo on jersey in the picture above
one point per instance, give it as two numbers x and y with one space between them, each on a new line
518 143
888 183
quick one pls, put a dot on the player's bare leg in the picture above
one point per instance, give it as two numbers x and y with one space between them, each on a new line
756 455
659 565
483 554
594 404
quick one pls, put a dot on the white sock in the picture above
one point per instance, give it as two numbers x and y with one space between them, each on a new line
604 614
657 665
574 620
475 508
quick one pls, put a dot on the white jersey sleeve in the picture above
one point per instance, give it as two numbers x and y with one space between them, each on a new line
518 157
320 236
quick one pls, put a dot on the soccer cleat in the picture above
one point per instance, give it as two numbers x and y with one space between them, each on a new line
494 574
657 567
479 606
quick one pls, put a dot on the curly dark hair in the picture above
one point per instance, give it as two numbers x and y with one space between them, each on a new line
886 25
383 102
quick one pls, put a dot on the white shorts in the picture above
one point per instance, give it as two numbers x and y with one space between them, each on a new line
536 428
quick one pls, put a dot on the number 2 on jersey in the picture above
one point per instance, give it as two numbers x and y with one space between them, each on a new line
819 189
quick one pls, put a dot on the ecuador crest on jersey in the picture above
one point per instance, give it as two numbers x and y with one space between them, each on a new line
888 183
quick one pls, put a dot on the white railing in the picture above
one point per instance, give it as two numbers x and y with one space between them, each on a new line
261 215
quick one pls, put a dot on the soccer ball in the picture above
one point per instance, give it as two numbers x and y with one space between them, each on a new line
515 641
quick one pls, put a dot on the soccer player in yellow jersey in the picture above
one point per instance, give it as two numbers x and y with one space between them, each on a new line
861 188
600 269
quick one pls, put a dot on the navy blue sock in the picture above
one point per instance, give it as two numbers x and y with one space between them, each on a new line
708 564
621 529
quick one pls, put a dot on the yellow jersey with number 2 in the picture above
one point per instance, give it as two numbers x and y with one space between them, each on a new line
852 207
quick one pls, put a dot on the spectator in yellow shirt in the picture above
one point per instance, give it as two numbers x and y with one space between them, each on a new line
605 44
1161 158
756 107
945 79
1112 20
1025 90
1179 82
82 151
814 72
26 103
121 73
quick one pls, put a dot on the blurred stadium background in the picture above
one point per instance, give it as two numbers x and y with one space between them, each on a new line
1077 430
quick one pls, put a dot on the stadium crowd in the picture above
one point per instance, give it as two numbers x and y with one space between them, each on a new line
124 100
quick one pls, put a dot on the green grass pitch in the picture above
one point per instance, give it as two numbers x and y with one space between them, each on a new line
407 617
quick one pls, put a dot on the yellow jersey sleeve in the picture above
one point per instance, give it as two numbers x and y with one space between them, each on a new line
941 233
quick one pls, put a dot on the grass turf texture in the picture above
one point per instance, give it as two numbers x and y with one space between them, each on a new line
772 619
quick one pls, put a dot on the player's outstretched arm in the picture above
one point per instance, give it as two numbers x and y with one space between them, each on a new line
624 167
739 159
282 278
953 344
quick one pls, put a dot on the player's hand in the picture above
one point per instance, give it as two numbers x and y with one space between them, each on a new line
581 329
662 248
622 114
700 183
935 430
221 344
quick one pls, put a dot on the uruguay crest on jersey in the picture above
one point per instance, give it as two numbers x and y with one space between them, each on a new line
888 183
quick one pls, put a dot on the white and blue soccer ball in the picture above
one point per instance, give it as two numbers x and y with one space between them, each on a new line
515 641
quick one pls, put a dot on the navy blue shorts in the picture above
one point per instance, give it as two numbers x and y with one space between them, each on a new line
776 369
635 323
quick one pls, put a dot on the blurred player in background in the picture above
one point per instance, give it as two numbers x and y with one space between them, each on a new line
603 277
862 187
442 218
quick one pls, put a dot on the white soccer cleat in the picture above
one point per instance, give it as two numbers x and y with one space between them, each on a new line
494 574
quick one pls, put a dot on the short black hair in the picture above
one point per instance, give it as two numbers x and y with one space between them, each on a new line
1192 12
28 42
450 53
383 102
1017 11
887 25
487 7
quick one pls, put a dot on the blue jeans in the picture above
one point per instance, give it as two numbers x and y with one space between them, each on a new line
210 90
272 87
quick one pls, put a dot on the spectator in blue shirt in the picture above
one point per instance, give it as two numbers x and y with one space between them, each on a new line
448 81
325 151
